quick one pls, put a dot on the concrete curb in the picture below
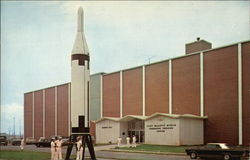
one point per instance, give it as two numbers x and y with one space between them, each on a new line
145 152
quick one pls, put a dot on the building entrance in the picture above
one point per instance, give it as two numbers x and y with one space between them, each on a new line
136 127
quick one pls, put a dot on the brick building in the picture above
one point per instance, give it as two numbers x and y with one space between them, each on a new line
205 82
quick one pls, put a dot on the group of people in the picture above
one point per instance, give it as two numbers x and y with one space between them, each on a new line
119 140
56 149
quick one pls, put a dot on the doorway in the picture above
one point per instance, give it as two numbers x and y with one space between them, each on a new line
136 127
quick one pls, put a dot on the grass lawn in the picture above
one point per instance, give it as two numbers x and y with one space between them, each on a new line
24 155
157 148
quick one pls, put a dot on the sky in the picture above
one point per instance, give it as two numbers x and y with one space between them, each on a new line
37 39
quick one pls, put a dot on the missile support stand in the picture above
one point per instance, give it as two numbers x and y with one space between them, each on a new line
83 132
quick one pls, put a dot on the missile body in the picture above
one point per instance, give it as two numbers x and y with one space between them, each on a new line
80 77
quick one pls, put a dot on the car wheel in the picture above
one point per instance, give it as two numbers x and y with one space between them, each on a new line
227 157
193 155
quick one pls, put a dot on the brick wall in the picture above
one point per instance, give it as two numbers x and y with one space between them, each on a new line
132 92
111 95
156 88
221 95
186 85
246 92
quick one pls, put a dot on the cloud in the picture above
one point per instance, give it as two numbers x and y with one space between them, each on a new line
8 113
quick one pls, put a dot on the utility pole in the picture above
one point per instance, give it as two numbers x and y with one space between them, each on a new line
20 128
14 128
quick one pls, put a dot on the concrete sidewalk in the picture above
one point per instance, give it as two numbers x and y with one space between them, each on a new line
113 148
145 152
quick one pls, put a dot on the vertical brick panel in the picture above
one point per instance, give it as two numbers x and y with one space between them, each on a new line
132 92
62 110
221 95
186 85
38 114
246 92
111 95
156 88
50 112
28 115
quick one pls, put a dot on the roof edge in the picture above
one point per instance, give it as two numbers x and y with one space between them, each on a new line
140 117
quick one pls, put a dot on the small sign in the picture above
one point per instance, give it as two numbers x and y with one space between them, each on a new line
106 127
161 127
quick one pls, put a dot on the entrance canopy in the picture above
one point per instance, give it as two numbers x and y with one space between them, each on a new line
176 116
132 117
107 118
128 118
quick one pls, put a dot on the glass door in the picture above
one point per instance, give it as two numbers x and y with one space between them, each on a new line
141 136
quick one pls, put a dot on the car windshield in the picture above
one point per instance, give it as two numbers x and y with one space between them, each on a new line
16 139
224 146
211 145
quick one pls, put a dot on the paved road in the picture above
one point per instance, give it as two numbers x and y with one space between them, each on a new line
106 155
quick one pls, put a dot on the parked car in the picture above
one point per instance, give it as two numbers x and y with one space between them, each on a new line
43 142
30 140
217 151
65 141
3 140
16 142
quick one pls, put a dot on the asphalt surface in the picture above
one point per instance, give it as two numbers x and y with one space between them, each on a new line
105 155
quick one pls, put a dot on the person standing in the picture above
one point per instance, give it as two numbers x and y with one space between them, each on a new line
22 144
79 148
128 141
52 148
56 149
119 140
134 141
59 148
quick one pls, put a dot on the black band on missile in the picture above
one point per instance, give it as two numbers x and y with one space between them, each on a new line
80 130
81 124
81 58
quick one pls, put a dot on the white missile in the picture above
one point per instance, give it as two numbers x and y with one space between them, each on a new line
80 78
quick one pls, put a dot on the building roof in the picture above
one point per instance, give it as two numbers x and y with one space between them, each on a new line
184 55
107 118
132 117
177 116
201 40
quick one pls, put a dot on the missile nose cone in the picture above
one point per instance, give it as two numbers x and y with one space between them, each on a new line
80 20
80 45
80 10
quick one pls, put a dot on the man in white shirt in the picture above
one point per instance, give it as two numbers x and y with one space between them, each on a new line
59 148
56 149
134 141
119 140
128 141
52 148
79 148
22 144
